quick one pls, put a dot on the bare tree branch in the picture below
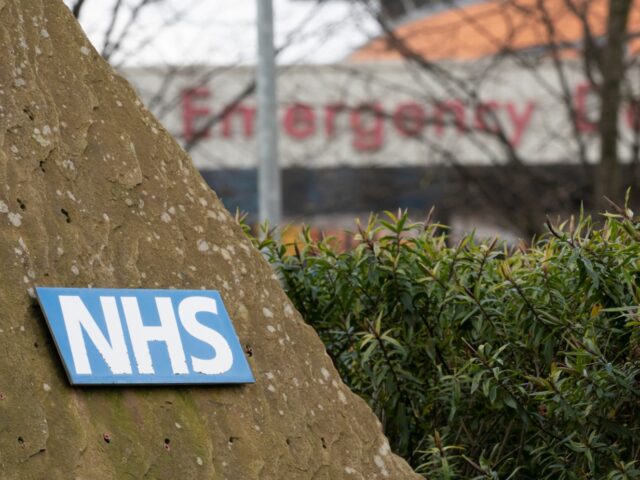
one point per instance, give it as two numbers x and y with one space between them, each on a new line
112 23
77 8
613 64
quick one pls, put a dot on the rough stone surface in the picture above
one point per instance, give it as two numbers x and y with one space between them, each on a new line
94 192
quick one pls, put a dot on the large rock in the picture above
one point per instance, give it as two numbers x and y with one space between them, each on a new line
94 192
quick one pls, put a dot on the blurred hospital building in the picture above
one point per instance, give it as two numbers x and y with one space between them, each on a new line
406 119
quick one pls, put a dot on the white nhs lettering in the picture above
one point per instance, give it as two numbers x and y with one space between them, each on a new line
113 347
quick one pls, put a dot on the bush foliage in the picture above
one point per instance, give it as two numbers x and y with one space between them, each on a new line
483 360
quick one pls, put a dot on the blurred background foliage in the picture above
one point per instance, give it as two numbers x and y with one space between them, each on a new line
484 360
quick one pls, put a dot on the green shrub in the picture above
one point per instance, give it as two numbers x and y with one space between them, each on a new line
483 360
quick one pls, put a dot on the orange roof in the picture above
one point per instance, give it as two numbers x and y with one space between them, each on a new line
490 27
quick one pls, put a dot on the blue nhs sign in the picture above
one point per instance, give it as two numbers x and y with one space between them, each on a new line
130 336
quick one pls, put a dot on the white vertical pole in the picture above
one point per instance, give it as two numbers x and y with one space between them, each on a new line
269 189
